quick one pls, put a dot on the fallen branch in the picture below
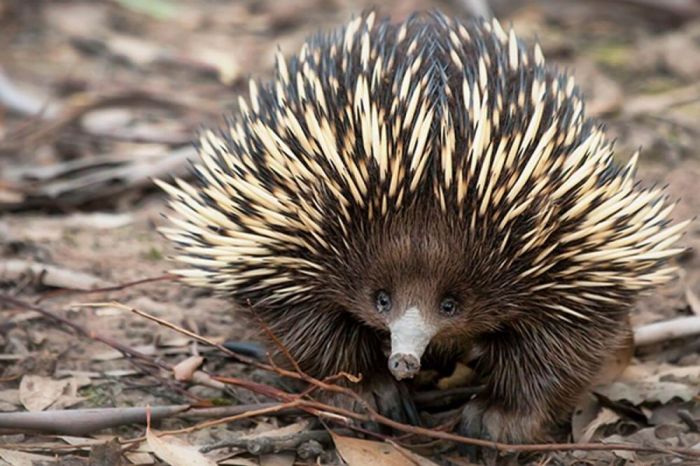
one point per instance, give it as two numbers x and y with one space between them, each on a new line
666 330
87 421
81 181
78 105
49 275
311 406
82 421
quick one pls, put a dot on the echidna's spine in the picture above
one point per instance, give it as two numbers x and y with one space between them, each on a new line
379 118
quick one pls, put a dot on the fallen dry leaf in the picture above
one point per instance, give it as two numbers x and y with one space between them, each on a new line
176 452
36 393
637 392
19 458
278 459
139 458
359 452
9 399
653 372
605 417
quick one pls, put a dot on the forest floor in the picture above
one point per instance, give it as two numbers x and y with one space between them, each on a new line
96 98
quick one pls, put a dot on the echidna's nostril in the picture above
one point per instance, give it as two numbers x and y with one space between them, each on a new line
403 365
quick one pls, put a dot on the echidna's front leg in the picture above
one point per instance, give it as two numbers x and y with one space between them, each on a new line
534 377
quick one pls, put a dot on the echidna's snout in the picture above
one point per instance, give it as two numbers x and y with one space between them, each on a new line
404 365
410 335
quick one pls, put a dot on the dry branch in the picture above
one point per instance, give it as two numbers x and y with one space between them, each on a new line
666 330
338 414
49 275
87 421
323 410
81 104
86 180
82 421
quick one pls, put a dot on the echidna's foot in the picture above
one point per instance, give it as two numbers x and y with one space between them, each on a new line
391 399
394 400
472 425
384 395
489 422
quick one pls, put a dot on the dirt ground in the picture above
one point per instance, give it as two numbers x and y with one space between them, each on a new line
97 97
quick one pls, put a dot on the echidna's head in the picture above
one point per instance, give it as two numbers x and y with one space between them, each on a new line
433 179
414 279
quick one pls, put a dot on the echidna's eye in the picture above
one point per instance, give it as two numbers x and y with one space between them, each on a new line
383 301
448 306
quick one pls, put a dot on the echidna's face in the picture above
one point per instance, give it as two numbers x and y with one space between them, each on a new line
415 283
415 314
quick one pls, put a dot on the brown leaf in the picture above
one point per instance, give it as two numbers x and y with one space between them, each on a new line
106 454
637 392
277 459
18 458
176 452
38 393
359 452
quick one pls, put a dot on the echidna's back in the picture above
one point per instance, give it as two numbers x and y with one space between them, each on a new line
432 115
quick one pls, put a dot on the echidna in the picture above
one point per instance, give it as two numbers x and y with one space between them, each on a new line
427 186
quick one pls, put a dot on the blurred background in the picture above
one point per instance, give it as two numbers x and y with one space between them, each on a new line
94 92
98 97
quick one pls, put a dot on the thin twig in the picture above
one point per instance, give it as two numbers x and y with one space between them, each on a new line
318 408
54 293
330 412
142 361
373 415
183 331
125 350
